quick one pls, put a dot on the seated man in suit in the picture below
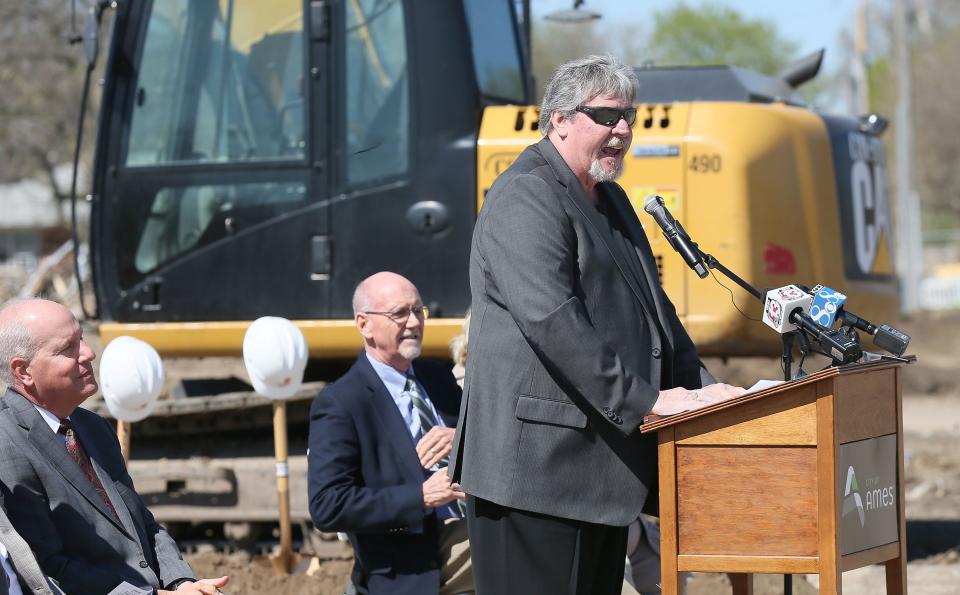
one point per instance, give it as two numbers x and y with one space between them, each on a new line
379 438
21 571
64 481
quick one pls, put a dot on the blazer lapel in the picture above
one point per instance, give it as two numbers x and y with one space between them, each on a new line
589 212
22 557
390 419
52 450
627 215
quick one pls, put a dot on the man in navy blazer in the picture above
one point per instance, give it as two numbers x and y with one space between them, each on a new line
379 441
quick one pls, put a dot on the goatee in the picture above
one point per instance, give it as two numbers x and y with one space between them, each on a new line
410 349
601 175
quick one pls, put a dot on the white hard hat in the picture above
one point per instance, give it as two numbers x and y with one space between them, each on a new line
131 378
275 354
129 414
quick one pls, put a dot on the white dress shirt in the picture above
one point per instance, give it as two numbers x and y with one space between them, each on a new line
11 573
53 421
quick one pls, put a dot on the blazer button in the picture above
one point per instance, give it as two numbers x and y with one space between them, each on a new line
612 416
143 564
656 353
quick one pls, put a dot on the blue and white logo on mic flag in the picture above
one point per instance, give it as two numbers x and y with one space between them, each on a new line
826 303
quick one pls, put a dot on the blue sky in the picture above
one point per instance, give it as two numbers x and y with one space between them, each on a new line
811 24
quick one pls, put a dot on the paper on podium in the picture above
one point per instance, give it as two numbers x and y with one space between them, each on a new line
762 384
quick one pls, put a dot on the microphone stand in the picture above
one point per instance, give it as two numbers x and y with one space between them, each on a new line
788 338
786 358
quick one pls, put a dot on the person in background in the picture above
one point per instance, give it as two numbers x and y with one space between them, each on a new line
64 482
458 350
379 441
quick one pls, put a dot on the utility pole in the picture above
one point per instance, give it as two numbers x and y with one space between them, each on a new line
860 102
909 246
857 81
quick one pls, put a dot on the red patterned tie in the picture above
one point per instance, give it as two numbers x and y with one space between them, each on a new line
76 451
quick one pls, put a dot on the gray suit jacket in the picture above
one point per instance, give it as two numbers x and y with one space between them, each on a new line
24 562
56 509
571 340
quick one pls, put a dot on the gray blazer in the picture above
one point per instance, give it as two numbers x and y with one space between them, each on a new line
571 340
23 561
58 512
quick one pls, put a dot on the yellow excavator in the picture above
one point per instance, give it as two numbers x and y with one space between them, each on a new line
261 158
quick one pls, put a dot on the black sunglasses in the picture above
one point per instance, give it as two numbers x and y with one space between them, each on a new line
608 116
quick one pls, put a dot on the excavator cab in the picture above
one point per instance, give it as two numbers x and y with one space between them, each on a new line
263 157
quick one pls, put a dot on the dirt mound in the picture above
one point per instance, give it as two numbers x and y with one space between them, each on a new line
254 575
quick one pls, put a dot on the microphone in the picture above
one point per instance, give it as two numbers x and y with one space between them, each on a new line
843 349
780 304
673 231
786 309
828 306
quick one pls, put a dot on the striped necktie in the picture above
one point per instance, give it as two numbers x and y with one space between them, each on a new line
427 421
420 405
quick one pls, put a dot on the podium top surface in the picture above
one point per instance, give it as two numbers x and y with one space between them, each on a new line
653 423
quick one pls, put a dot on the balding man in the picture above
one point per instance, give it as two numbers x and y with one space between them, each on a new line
379 438
64 482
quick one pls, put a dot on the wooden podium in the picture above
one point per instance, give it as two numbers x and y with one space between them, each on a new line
802 478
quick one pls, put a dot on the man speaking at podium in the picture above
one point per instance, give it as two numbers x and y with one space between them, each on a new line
572 342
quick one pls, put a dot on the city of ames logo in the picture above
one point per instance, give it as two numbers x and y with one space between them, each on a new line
851 496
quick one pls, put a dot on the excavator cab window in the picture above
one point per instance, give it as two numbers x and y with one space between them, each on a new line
495 43
219 84
377 94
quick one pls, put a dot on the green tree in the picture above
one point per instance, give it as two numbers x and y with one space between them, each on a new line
711 34
681 36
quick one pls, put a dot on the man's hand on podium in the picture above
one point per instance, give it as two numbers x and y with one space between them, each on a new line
681 399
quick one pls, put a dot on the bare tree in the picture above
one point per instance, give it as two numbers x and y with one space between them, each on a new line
936 93
41 76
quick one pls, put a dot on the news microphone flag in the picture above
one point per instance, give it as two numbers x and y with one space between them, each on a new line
780 303
826 305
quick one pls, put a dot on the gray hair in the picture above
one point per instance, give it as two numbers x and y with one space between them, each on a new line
361 298
578 81
15 341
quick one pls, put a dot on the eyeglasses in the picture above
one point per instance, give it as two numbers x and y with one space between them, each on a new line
401 315
609 116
